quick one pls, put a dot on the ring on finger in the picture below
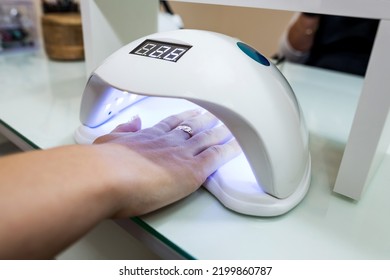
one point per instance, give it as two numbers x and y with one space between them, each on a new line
186 128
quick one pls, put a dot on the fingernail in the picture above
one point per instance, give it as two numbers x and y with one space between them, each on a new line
198 111
134 118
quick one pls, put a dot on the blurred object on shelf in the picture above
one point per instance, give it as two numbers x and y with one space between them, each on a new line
60 6
17 28
63 36
62 30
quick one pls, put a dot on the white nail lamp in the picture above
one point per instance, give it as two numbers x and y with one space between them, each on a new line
184 69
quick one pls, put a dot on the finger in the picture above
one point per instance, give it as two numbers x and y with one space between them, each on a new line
215 156
207 138
131 126
173 121
196 124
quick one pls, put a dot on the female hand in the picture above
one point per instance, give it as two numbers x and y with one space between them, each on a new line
163 164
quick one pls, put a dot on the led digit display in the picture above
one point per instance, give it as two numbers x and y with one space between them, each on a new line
161 50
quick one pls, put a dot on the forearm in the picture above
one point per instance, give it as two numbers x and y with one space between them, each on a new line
48 199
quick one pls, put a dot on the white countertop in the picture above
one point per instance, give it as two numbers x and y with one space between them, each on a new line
40 99
39 102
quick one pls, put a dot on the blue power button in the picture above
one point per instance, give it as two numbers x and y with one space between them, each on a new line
252 53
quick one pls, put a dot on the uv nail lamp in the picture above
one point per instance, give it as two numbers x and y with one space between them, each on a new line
166 73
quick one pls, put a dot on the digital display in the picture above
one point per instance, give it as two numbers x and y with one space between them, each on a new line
161 50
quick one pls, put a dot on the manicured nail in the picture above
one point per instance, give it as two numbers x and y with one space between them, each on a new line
198 111
134 118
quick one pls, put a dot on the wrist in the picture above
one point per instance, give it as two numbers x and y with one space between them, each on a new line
308 24
113 171
96 177
126 185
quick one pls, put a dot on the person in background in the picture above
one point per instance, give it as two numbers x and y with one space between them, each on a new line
332 42
50 198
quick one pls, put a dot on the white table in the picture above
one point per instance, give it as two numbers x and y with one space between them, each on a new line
39 107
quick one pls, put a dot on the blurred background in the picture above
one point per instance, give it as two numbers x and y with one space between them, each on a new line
21 22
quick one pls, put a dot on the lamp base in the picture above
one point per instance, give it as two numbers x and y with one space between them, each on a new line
235 186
